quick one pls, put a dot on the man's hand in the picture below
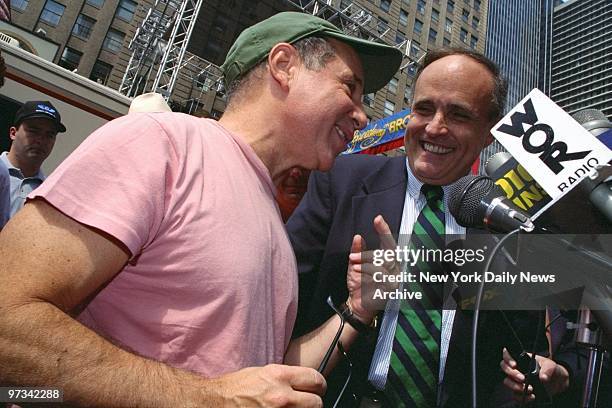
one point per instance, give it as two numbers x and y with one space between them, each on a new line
553 376
272 386
361 268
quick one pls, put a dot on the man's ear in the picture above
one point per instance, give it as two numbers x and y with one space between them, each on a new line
12 132
283 62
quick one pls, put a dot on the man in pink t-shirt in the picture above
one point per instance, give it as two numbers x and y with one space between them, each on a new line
152 267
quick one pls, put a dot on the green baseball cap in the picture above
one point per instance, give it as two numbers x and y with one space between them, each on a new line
380 62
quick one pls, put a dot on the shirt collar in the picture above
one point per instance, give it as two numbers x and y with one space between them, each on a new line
414 185
4 157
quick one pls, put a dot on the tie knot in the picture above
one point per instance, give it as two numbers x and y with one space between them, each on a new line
432 193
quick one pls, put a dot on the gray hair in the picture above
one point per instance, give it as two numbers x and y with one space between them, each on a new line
315 53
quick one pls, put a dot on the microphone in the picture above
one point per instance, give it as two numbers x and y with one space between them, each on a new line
520 187
597 123
496 161
599 189
475 201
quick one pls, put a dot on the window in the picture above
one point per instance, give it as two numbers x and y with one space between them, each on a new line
70 59
432 35
392 85
446 42
96 3
52 13
411 69
403 17
383 25
100 72
407 93
113 40
450 6
220 23
473 41
477 5
421 6
389 108
19 5
463 35
399 37
465 14
83 26
414 48
125 10
435 15
418 26
368 99
475 22
385 5
448 27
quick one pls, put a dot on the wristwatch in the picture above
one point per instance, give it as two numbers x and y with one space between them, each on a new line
349 317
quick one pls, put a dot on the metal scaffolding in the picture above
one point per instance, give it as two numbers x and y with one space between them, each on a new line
172 61
152 54
357 21
166 60
148 46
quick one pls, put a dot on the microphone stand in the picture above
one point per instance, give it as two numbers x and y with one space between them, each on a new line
589 336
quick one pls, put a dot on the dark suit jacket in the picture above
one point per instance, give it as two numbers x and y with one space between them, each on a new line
344 202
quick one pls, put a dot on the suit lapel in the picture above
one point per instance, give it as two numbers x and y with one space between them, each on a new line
382 192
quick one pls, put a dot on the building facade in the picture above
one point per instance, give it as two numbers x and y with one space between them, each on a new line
90 33
519 40
93 38
581 63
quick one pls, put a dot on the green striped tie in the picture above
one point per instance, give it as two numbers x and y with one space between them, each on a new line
413 373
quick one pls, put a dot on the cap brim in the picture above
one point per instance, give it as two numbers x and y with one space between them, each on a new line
379 61
60 127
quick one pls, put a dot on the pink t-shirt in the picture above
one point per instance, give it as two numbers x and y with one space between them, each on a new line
212 283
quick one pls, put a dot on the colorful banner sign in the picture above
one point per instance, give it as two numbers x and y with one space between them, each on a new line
380 132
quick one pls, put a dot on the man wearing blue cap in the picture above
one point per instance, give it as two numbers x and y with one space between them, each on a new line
33 136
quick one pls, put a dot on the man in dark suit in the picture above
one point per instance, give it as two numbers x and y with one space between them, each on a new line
458 96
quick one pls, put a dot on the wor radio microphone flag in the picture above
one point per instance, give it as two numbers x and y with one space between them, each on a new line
550 145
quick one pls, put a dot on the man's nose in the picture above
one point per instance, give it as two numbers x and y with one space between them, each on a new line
360 119
437 124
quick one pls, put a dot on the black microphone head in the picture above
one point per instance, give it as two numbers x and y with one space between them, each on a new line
465 198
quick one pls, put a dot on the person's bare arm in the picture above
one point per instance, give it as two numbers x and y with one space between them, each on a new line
309 349
50 265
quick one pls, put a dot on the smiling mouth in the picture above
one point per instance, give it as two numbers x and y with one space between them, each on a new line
436 149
